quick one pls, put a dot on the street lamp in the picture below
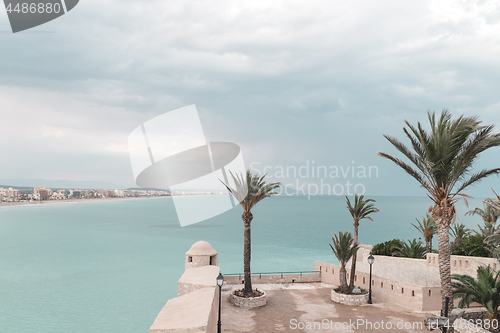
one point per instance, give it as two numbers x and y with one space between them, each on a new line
371 260
220 281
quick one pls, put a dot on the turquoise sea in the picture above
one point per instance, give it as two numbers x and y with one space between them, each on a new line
110 266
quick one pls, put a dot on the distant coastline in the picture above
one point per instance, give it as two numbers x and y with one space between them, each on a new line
25 203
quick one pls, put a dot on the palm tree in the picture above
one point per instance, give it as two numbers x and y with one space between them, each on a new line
249 191
459 231
441 162
493 241
489 213
485 291
428 229
487 230
495 204
344 249
410 249
361 210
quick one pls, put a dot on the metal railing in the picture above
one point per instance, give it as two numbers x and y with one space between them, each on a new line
300 273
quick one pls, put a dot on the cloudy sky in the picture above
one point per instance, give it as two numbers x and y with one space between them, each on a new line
289 81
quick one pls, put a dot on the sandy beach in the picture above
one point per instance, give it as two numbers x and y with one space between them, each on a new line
23 203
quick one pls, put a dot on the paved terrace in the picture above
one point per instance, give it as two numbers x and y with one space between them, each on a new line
309 303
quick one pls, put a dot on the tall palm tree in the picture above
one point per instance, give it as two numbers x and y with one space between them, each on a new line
441 162
489 214
428 229
344 249
485 291
410 249
360 210
249 190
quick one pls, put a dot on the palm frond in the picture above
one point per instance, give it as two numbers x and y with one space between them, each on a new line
344 247
250 189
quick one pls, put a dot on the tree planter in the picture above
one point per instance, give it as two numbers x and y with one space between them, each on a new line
351 299
248 302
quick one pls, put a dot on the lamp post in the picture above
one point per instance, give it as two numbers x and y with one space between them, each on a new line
371 260
220 281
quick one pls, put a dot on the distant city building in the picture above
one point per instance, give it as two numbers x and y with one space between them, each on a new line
58 195
10 194
76 194
119 193
43 193
107 193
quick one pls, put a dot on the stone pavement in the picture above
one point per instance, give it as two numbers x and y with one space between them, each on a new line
307 308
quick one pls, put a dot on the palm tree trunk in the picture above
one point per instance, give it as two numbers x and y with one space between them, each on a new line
443 223
343 280
247 219
427 246
353 259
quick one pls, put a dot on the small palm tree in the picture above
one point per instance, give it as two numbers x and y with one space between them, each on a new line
493 241
428 229
487 230
360 210
441 162
459 231
489 214
485 290
495 204
249 191
344 249
410 249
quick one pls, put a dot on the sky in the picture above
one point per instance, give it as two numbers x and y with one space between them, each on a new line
291 82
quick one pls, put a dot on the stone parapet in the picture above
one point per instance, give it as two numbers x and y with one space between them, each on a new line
190 313
197 278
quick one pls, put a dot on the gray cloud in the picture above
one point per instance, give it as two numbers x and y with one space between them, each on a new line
289 81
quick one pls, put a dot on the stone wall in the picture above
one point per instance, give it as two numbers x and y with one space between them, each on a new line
275 278
197 278
193 261
407 270
196 308
463 264
387 290
193 312
410 282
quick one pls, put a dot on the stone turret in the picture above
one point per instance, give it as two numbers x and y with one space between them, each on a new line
201 254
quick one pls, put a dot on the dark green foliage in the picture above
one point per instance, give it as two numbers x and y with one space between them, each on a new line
472 245
386 248
410 249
